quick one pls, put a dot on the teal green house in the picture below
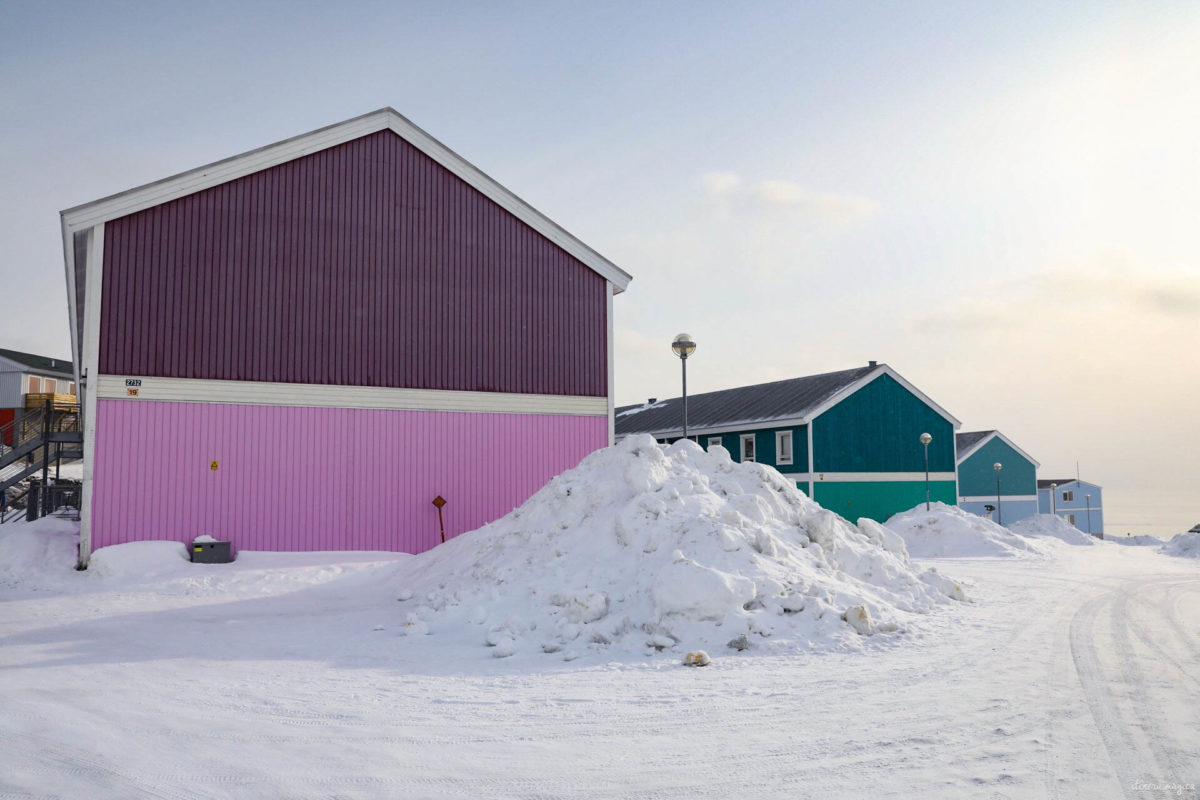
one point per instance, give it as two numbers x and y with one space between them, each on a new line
1004 495
851 440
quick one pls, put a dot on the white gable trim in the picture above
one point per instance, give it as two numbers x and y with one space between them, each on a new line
882 369
201 178
970 451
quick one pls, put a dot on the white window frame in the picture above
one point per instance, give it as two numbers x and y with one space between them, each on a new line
29 384
748 437
1069 496
49 386
780 438
715 441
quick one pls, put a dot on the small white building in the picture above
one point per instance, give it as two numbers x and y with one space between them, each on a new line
23 374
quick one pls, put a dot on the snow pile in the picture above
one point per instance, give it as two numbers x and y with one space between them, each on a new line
1184 545
949 532
1142 540
644 548
40 553
1053 526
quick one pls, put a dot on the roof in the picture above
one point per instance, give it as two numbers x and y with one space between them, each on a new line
1046 484
965 441
162 191
968 443
799 399
57 366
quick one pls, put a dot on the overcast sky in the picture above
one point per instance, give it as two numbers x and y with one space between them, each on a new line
1001 200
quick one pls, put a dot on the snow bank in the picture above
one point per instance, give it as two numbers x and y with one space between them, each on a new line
949 532
1184 545
39 553
644 548
1141 540
1053 526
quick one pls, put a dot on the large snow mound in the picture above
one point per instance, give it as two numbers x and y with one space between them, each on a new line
644 547
1184 545
1053 526
41 553
950 532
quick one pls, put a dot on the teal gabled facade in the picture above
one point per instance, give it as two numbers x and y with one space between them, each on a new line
1005 495
855 436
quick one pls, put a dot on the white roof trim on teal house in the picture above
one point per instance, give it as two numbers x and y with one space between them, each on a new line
810 414
882 369
185 183
970 451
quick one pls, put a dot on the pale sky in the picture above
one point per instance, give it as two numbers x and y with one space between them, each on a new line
1002 201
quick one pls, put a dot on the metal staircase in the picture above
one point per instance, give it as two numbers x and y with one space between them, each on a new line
34 442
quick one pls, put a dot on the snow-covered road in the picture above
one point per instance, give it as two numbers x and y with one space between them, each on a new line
1071 676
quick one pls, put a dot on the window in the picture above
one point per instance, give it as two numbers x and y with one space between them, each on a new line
783 447
72 389
1068 497
35 385
50 386
1071 519
747 447
714 441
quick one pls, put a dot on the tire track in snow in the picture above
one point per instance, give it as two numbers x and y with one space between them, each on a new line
1133 750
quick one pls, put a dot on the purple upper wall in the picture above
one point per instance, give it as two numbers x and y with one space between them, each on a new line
364 264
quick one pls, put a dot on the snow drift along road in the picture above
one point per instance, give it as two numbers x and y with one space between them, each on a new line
1053 526
643 547
949 532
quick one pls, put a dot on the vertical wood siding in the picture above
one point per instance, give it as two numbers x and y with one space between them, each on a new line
319 478
366 264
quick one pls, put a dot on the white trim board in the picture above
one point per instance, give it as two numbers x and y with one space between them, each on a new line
610 349
307 395
91 359
1004 498
973 449
879 477
215 174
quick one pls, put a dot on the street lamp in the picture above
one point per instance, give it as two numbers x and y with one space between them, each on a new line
1088 498
1053 491
684 346
925 440
999 511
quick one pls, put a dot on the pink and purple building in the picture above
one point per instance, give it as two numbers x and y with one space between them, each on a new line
298 348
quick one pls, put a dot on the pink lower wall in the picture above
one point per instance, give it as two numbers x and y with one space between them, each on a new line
319 478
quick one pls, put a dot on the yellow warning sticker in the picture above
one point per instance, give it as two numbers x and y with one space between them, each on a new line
213 465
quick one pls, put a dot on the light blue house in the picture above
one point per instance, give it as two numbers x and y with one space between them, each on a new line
1078 502
1003 495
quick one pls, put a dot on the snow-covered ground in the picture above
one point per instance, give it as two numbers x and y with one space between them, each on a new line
1068 672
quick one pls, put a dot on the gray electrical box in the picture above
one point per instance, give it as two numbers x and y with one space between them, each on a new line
211 553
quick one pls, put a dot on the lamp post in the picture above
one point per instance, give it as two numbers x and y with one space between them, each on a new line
999 511
1088 498
684 346
925 440
1053 491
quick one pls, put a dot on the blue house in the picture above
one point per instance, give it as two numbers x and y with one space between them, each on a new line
851 440
1003 495
1078 502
